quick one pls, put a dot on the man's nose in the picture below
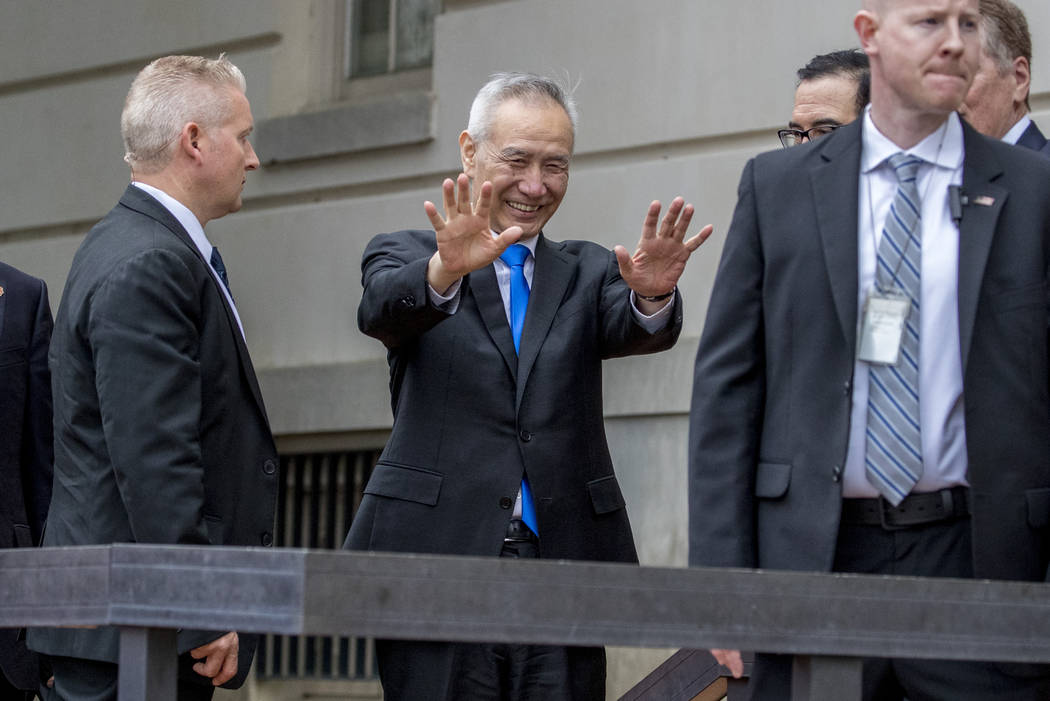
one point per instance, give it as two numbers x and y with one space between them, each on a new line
532 183
252 162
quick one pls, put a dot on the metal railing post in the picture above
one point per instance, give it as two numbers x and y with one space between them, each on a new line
817 678
147 670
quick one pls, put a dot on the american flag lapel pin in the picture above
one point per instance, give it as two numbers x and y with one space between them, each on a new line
984 200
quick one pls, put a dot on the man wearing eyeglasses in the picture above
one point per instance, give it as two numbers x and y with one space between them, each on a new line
832 90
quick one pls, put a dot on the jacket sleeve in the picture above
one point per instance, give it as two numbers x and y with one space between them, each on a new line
144 325
395 303
37 444
728 396
622 332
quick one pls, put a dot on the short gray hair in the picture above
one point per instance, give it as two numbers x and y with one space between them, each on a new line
521 86
165 95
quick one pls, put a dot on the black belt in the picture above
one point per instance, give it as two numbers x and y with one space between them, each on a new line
916 509
518 532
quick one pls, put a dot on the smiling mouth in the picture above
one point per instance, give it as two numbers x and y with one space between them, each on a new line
526 208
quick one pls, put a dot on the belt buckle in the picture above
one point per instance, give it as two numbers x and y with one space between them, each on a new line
884 506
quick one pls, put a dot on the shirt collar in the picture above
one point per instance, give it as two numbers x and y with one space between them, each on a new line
183 214
877 147
529 243
1012 136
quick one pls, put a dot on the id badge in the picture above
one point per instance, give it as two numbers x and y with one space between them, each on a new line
882 328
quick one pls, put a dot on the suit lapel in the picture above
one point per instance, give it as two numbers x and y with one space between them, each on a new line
976 229
550 278
4 294
835 181
486 294
140 201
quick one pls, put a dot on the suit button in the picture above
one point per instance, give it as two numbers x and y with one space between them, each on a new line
505 502
846 388
836 473
267 539
525 436
407 302
269 467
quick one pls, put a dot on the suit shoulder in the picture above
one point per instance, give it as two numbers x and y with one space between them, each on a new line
12 277
406 238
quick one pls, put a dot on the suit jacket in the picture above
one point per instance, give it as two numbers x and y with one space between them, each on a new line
1033 138
25 449
160 431
470 416
773 380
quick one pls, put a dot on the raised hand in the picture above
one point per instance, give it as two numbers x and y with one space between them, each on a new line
662 252
464 237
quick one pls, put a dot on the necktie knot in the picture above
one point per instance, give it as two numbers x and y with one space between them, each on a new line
906 166
515 255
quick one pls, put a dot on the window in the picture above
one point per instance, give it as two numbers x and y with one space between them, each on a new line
389 36
374 91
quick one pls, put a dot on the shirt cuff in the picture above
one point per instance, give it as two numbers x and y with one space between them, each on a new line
449 302
653 322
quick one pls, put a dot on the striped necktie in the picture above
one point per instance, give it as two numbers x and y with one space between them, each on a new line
515 257
893 459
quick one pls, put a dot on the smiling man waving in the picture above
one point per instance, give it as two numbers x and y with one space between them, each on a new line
496 337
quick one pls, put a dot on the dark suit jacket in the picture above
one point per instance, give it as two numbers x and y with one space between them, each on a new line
1033 138
160 431
25 427
470 416
773 383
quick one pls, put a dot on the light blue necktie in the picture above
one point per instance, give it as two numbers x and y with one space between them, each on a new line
893 458
515 257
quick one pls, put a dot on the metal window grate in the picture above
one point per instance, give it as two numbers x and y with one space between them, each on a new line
319 494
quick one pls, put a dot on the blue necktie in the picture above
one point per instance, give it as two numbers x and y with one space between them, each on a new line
220 268
893 459
515 257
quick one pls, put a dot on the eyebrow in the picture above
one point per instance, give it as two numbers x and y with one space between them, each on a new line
819 123
509 153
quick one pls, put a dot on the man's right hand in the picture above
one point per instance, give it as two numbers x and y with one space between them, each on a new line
464 235
731 660
218 659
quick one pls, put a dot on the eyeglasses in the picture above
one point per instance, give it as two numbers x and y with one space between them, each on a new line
794 137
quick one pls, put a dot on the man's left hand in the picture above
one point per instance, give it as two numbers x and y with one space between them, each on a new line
218 659
662 252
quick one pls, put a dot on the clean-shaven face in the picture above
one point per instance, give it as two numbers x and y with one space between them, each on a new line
989 106
229 156
526 158
829 101
928 51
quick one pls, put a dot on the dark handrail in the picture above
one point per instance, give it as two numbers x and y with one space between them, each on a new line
823 618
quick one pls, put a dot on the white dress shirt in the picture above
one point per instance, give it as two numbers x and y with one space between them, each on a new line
450 303
1016 130
450 300
941 416
193 227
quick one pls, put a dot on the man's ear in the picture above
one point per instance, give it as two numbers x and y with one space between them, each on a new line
189 140
468 154
1023 76
866 23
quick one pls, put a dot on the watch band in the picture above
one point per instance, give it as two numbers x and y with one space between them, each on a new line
656 298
